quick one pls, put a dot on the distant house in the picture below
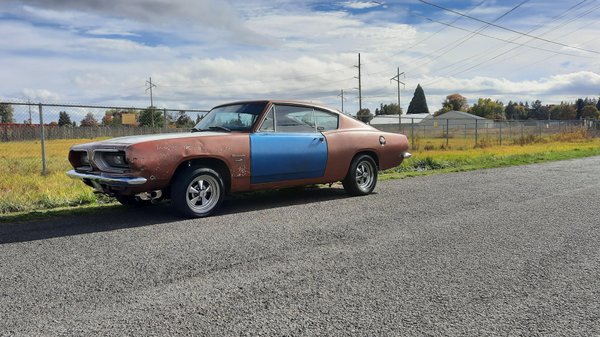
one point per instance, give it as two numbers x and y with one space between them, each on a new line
390 122
457 119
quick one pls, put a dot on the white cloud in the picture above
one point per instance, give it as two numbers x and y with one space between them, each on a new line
83 53
361 4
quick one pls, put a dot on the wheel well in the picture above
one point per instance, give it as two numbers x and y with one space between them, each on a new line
370 154
213 163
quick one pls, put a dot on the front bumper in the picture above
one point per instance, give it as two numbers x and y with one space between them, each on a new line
107 180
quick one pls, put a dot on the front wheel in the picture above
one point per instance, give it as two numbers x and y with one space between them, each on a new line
362 176
197 192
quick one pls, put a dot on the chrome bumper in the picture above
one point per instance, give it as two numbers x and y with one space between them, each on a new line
406 155
110 181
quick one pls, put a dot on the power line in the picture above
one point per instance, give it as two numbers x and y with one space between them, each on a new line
519 45
485 53
464 39
506 41
508 29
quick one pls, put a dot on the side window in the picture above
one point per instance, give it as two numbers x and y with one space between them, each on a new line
326 121
294 119
269 123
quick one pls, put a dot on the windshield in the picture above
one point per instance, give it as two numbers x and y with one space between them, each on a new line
235 117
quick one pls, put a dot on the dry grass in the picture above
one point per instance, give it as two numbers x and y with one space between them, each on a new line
23 188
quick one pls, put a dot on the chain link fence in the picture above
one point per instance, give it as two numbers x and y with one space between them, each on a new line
39 135
462 133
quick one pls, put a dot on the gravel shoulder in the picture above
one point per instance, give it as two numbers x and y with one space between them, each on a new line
511 251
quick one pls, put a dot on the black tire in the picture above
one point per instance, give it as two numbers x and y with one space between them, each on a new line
362 176
131 201
197 192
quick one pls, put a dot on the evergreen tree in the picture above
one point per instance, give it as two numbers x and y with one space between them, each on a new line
183 120
418 104
64 119
152 117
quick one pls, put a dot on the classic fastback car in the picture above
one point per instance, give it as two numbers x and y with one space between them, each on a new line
237 147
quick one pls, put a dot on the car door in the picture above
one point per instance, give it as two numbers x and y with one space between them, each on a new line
287 146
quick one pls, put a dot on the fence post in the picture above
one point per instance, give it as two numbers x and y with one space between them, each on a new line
521 132
43 140
500 133
447 130
165 117
412 132
476 131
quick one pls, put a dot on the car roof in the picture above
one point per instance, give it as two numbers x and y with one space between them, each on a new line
291 102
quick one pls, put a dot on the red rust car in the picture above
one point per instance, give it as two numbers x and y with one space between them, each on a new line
238 147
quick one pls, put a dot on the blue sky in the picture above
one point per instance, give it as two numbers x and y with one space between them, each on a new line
201 53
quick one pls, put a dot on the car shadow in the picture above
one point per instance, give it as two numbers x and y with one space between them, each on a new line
121 217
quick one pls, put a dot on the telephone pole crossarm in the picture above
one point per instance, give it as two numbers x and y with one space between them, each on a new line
397 79
150 86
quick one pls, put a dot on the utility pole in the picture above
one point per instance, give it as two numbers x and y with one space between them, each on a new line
397 79
342 95
150 86
359 85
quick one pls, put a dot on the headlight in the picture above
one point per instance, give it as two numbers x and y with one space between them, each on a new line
84 159
110 160
116 159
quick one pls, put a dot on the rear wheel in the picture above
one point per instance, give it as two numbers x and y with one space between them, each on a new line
197 192
362 176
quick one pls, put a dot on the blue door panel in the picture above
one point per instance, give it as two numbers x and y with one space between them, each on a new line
287 156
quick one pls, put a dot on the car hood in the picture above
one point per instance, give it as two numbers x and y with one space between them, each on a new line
130 140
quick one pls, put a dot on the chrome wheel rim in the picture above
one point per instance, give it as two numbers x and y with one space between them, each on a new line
365 175
203 193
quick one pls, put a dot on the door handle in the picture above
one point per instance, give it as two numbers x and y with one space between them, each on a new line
319 139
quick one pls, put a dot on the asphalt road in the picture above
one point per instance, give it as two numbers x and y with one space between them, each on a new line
511 252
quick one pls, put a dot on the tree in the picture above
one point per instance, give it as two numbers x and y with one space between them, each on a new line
456 102
487 108
579 104
418 104
6 113
107 120
89 120
183 120
152 117
563 111
113 117
515 110
199 118
590 112
64 119
364 115
385 109
598 103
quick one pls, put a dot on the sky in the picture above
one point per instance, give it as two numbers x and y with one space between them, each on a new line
201 53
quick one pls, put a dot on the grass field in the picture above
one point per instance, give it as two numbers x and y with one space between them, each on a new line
24 189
